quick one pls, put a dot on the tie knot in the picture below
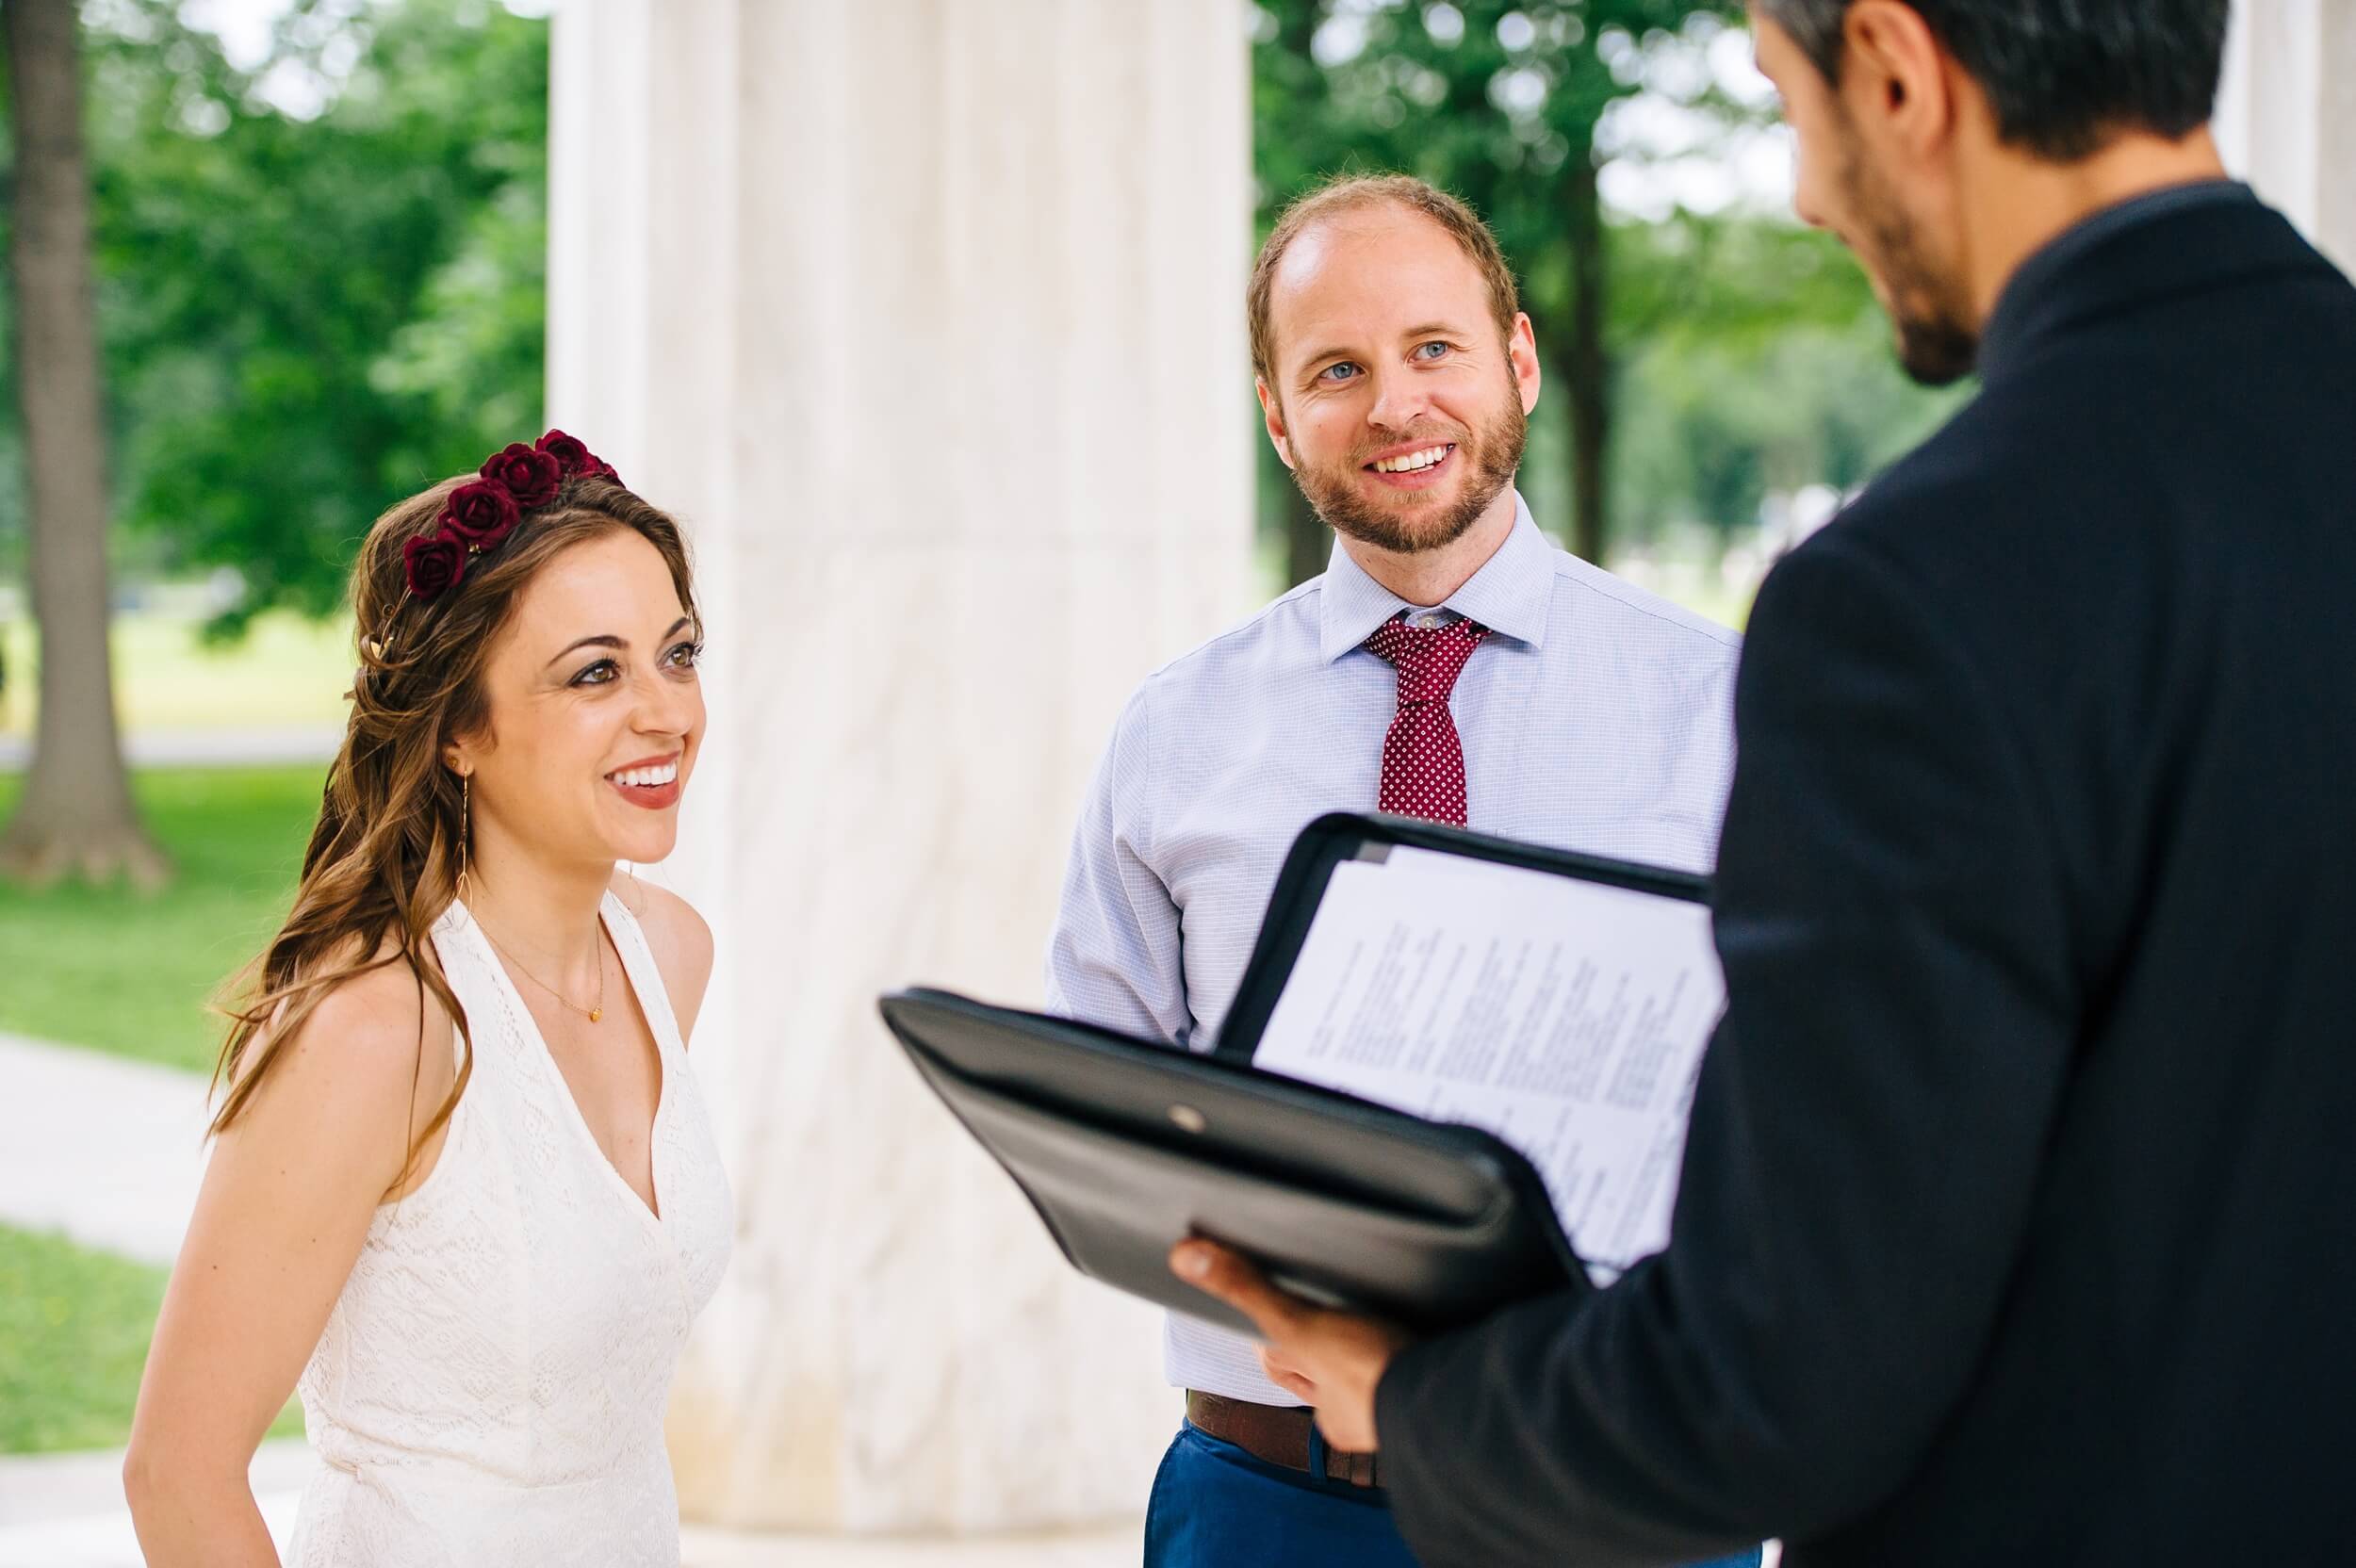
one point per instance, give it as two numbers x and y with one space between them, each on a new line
1427 657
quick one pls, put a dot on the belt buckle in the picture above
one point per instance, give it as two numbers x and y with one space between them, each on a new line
1358 1470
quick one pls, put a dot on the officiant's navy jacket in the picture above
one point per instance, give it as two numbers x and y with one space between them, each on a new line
2018 1214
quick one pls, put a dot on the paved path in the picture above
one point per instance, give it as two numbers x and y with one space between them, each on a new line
65 1510
179 748
105 1149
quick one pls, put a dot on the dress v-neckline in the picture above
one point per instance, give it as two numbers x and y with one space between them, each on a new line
650 1212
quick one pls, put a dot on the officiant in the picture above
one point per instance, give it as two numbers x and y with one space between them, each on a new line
2013 1224
1452 664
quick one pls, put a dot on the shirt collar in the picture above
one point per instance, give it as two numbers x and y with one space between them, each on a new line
2035 279
1512 592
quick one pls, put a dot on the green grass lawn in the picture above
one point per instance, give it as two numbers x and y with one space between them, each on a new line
74 1331
286 671
131 973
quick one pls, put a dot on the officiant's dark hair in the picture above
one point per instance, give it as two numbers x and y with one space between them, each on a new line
2063 77
384 859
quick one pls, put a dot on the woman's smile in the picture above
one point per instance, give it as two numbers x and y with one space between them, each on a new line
652 782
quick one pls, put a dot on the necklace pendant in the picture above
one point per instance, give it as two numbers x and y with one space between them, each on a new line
596 1014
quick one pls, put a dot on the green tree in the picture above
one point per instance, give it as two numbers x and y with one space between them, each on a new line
1725 422
1756 360
76 816
304 314
314 316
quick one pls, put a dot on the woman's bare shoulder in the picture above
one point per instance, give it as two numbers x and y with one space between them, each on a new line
375 1029
363 1070
680 940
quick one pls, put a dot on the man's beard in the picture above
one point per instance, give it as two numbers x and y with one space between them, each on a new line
1492 453
1937 342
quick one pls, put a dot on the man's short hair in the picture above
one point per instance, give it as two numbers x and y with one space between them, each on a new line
2062 75
1357 193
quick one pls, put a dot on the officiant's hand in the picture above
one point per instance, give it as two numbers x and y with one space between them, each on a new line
1329 1360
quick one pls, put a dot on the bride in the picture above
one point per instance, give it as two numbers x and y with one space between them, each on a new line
463 1194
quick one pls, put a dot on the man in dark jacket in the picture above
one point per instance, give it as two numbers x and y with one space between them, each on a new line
2018 1220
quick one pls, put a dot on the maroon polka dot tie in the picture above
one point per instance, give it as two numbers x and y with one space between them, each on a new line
1423 759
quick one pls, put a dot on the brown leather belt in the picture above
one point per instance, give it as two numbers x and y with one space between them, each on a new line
1278 1436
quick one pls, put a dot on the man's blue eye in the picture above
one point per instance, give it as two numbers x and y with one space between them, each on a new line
1337 372
1421 346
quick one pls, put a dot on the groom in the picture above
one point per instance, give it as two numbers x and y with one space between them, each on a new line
1451 663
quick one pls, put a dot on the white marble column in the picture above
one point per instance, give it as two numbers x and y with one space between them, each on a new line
926 315
2287 115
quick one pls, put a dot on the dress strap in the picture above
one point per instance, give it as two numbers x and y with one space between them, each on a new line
457 948
646 975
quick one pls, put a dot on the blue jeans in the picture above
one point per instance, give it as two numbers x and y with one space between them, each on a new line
1215 1506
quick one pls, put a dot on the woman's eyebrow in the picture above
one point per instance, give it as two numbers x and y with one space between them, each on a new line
607 640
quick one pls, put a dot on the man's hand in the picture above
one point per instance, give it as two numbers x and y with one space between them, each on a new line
1329 1360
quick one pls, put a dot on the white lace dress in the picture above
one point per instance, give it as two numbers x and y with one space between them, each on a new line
490 1387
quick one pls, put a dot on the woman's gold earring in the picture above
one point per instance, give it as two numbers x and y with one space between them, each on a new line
466 828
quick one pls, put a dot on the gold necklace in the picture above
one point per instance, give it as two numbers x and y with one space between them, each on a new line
592 1013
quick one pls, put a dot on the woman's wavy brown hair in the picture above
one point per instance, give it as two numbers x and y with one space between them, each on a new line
384 859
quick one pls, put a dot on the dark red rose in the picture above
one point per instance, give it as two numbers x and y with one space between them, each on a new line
482 514
531 476
600 468
436 563
572 456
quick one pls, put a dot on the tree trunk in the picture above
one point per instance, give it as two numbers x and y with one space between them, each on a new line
1588 370
1308 543
76 816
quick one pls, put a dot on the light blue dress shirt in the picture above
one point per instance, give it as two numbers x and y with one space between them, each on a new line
1597 717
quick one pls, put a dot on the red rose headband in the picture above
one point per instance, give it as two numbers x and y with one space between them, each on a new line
480 514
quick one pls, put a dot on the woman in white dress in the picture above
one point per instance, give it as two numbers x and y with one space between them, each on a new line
463 1194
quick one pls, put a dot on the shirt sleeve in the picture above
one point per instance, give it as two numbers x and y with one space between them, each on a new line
1865 1143
1116 958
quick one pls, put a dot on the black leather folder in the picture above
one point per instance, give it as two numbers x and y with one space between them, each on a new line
1126 1145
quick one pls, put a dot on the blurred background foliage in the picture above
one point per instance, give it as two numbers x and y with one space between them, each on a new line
321 272
321 280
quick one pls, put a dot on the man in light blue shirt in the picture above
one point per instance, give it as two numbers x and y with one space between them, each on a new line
1396 372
